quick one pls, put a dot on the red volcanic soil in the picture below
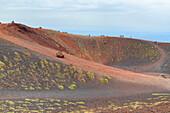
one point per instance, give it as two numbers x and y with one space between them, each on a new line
118 74
123 82
131 54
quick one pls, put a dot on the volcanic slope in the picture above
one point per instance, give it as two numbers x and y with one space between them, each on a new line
129 54
23 39
37 68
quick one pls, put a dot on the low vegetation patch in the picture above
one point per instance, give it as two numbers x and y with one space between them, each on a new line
72 86
25 72
60 87
105 79
40 105
1 64
56 105
90 75
102 80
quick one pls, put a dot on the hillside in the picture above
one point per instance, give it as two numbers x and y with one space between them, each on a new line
33 79
112 51
26 70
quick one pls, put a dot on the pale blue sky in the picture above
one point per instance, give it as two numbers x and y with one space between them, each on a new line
105 16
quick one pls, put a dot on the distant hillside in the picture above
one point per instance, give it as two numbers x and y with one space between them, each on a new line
111 51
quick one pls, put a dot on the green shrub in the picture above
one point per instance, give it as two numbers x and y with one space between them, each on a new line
80 71
82 80
2 64
27 54
60 87
74 68
17 54
51 64
1 69
73 86
58 66
47 88
105 80
39 88
65 69
11 103
109 78
31 88
45 61
80 103
5 58
90 75
74 82
42 64
102 80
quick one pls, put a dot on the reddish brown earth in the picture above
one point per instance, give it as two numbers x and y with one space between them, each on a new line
129 83
99 68
111 51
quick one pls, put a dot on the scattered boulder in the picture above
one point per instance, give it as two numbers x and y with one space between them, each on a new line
164 76
60 54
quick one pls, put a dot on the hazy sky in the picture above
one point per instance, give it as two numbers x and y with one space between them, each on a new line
90 15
